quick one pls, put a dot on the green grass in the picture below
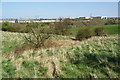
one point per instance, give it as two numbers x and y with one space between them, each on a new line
10 42
109 29
96 57
93 57
13 41
73 31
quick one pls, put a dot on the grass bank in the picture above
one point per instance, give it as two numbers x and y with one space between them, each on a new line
96 57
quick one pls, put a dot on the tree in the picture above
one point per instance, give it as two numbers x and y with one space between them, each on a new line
38 35
16 20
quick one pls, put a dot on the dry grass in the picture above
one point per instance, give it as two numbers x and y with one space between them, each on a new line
59 43
63 50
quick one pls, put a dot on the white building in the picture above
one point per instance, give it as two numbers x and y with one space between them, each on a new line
7 21
88 18
104 17
28 21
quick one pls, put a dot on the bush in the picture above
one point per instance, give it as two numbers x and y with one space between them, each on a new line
38 36
14 27
111 22
5 26
17 27
84 33
100 31
61 28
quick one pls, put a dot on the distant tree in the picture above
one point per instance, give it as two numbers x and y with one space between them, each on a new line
16 20
61 27
60 19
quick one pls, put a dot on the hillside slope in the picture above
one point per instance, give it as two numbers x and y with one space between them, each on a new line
96 57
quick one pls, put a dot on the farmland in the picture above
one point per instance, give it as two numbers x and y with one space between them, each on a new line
95 57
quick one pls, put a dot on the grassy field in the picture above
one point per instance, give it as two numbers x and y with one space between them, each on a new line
96 57
9 39
109 29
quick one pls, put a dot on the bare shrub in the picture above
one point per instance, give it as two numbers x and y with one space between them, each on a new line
38 36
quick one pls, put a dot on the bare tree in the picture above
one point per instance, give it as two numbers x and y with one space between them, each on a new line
38 36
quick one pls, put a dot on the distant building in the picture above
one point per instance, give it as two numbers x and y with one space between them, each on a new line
28 20
24 21
88 18
81 17
98 17
113 18
104 17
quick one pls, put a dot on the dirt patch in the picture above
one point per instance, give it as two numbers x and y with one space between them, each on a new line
59 43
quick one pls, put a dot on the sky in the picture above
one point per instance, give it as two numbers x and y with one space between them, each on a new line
60 0
58 9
